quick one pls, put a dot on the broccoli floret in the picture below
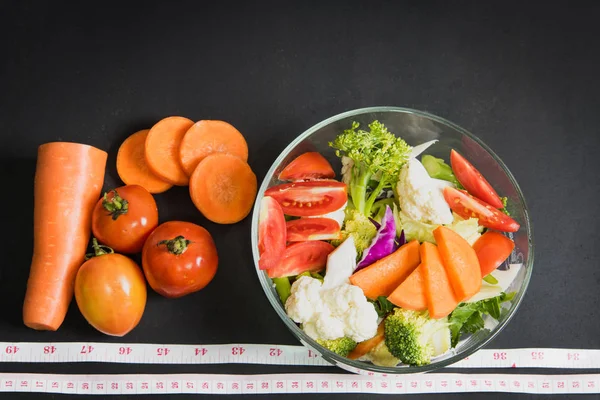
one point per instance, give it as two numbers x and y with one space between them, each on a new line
362 230
409 335
342 346
504 201
376 153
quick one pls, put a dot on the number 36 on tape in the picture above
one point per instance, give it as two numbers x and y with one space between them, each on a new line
267 354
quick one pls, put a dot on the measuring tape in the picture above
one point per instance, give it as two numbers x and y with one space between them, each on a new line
280 383
267 354
298 383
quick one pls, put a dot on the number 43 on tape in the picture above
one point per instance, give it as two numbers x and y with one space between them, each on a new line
268 354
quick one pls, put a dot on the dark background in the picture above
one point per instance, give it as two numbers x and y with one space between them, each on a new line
522 76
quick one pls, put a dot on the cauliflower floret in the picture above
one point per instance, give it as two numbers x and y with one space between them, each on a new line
304 300
349 304
343 297
327 314
420 197
328 327
347 164
361 322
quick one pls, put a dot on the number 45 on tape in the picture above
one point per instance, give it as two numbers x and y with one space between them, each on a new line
268 354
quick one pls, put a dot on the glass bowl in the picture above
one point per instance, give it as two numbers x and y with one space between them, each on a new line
415 127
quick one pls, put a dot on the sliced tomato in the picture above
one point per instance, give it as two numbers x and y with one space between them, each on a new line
301 257
311 165
311 198
473 181
468 206
303 229
492 249
271 233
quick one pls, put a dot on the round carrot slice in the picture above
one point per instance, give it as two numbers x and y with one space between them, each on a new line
223 188
132 167
162 149
207 137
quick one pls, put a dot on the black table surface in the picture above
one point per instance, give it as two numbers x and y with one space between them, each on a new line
521 76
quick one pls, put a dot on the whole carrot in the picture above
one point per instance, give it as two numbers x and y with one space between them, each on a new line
68 181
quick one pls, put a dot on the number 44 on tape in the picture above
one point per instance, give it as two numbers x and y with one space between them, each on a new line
268 354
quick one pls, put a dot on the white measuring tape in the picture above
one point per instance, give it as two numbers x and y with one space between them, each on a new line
297 383
280 383
135 353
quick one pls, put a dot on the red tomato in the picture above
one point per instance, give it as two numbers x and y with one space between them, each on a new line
473 181
311 165
110 292
303 229
301 257
271 233
179 258
124 218
468 206
492 249
307 199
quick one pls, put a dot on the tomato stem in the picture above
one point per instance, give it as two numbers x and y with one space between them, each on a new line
99 250
115 206
176 246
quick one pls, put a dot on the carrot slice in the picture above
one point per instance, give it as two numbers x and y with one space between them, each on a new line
162 149
68 180
223 188
384 275
207 137
460 261
132 167
441 300
410 294
364 347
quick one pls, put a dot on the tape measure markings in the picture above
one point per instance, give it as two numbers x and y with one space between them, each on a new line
298 383
268 354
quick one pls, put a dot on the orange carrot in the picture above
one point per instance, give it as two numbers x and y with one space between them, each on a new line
223 188
68 181
438 291
207 137
460 262
364 347
132 167
410 294
162 149
384 275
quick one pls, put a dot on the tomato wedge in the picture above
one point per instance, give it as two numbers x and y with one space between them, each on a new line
301 257
473 181
468 206
492 249
309 199
311 165
271 233
303 229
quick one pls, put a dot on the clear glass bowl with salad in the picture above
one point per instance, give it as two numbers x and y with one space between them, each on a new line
391 241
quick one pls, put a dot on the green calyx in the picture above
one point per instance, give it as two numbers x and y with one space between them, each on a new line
176 246
99 250
116 205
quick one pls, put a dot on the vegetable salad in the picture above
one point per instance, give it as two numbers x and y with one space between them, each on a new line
397 260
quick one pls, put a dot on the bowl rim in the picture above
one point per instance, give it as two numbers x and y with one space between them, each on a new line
360 366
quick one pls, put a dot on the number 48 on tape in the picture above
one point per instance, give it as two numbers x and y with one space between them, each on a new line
267 354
